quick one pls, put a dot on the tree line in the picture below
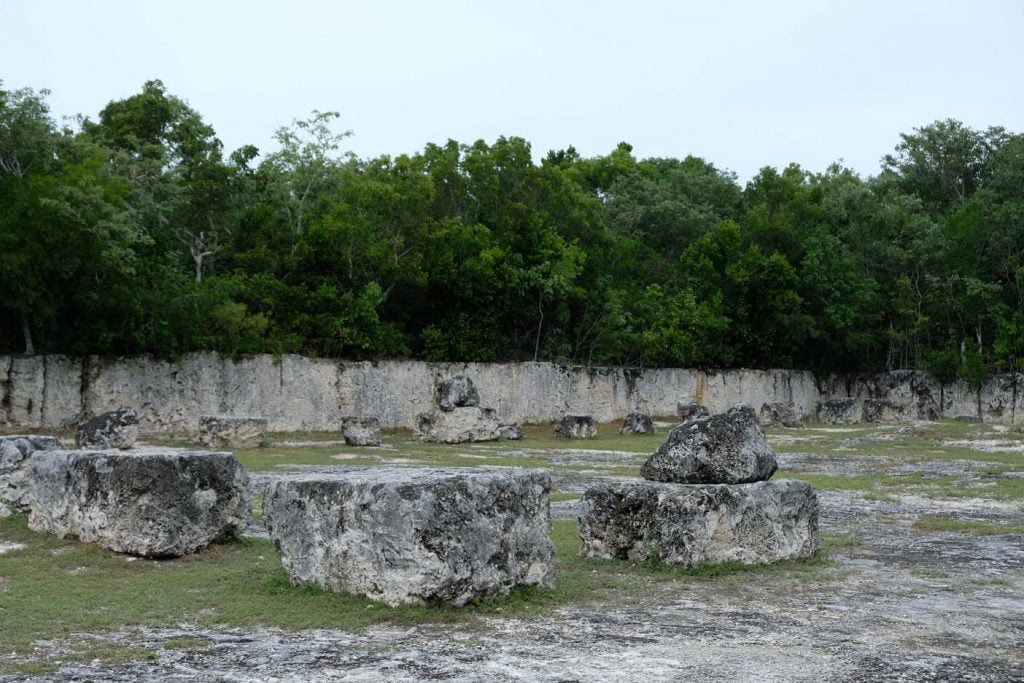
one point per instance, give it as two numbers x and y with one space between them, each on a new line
136 233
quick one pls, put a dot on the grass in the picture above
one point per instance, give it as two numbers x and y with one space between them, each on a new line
971 527
55 590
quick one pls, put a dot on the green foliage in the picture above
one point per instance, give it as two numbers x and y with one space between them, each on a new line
135 234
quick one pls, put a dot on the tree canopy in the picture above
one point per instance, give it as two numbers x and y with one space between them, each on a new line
134 233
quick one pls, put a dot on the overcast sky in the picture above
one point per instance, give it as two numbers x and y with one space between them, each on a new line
742 84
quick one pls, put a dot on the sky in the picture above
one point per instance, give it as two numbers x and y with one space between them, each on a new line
742 84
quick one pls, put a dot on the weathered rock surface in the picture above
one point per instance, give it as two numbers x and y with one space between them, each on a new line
361 431
148 502
576 427
14 454
414 535
688 525
513 432
637 423
729 448
884 410
217 431
457 392
690 410
840 411
777 413
459 425
116 429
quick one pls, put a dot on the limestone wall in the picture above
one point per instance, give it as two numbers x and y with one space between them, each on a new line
295 393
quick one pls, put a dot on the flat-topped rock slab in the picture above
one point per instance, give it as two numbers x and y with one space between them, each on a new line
576 426
14 454
414 535
692 524
152 502
219 431
361 431
458 425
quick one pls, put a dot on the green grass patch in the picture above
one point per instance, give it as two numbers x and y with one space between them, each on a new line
55 590
971 527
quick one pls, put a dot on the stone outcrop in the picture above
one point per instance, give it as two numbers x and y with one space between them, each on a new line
729 448
688 525
574 426
690 410
637 423
780 414
115 429
459 425
361 431
218 431
414 535
15 452
146 502
840 411
512 432
457 392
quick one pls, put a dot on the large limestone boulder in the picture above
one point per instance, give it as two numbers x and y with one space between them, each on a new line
637 423
457 392
576 427
690 410
116 429
729 448
149 502
458 425
14 454
840 411
361 431
688 525
778 413
218 431
414 535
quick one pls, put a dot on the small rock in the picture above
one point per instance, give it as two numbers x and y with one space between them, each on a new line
361 431
457 392
780 413
637 423
512 432
217 431
719 449
690 410
116 429
576 427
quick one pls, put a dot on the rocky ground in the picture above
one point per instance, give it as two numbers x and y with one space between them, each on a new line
899 600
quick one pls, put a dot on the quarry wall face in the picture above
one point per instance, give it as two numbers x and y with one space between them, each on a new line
296 393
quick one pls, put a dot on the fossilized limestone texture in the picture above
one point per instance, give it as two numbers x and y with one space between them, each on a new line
687 525
637 423
457 392
361 431
690 410
217 431
15 452
414 535
458 425
148 502
576 427
777 413
729 448
840 411
115 429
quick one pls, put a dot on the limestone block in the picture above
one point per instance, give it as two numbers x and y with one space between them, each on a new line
777 413
15 452
149 502
690 410
414 535
116 429
512 432
458 425
576 427
231 432
361 431
637 423
840 411
457 392
688 525
729 448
